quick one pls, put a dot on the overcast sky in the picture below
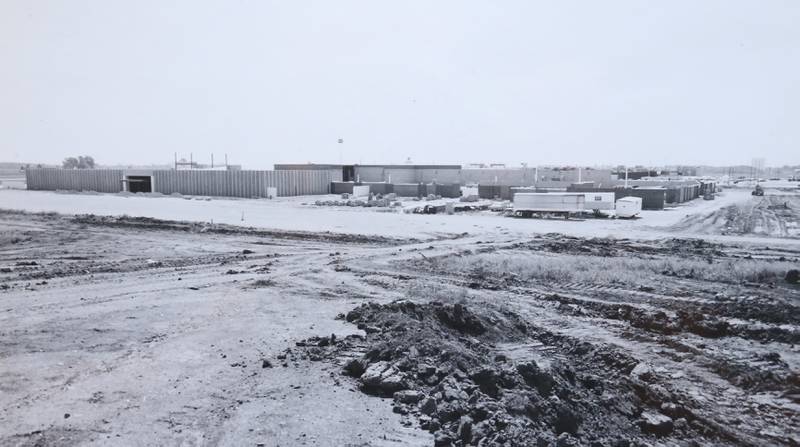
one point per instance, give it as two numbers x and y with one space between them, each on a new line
543 82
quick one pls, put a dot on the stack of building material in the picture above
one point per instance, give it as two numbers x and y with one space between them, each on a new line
360 190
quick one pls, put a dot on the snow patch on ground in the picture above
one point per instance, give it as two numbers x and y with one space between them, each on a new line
299 213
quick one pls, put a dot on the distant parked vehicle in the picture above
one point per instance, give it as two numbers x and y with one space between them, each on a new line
758 191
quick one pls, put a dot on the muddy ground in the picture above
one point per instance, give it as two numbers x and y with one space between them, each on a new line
141 332
776 214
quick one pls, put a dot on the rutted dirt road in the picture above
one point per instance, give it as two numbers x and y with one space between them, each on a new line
775 214
147 332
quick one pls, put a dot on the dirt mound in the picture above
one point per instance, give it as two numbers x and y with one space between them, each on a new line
444 366
148 223
692 247
611 247
699 319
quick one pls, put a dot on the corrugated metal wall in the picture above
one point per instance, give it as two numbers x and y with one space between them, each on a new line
487 176
401 175
51 179
242 183
429 175
336 174
369 173
528 176
191 182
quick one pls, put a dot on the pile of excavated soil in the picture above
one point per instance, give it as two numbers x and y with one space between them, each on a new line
444 366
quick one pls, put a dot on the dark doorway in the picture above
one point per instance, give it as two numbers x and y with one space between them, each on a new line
348 173
139 183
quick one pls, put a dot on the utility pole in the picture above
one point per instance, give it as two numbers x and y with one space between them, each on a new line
212 160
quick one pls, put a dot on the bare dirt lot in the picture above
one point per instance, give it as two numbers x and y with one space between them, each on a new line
135 331
775 214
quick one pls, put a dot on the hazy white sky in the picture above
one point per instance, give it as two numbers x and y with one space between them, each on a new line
574 82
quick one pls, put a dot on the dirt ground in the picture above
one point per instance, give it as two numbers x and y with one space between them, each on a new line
135 331
776 214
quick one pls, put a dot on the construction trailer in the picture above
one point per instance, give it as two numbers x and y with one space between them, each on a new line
542 204
599 201
628 207
653 198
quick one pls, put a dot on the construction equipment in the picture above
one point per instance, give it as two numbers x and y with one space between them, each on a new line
758 191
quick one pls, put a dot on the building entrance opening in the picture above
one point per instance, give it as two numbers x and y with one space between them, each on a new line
348 173
140 183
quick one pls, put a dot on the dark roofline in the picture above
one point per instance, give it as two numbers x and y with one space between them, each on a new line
410 166
313 166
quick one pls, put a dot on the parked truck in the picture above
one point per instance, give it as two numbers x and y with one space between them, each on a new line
531 204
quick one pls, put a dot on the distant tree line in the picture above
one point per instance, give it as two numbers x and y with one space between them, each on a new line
82 162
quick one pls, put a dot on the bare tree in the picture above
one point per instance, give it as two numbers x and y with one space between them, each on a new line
82 162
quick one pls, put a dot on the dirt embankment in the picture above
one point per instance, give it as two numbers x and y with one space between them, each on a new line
569 341
148 223
446 366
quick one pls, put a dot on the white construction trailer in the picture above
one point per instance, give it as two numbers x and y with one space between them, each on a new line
528 204
629 207
599 201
